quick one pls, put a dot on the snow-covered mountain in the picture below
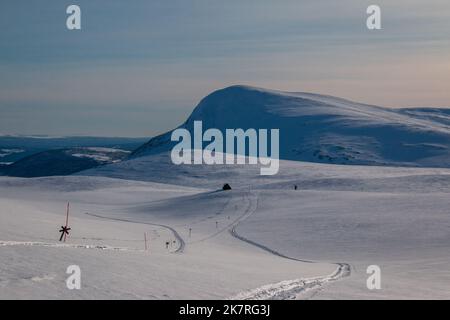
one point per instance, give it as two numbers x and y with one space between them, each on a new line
320 128
63 161
16 147
32 156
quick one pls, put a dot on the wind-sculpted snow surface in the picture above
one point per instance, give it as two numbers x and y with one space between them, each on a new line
109 245
255 241
394 217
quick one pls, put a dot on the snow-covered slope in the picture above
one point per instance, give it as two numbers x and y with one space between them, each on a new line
255 241
16 147
327 129
306 175
63 161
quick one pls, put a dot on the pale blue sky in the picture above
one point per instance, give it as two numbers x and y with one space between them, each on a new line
138 68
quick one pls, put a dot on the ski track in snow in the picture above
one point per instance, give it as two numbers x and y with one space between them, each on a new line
246 213
180 241
64 245
288 289
292 289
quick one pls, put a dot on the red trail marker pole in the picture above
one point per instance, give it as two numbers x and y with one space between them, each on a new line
145 240
65 229
67 220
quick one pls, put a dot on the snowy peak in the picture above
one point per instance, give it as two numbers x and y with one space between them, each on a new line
247 102
321 128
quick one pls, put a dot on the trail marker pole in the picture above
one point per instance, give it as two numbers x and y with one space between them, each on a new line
65 229
145 240
67 220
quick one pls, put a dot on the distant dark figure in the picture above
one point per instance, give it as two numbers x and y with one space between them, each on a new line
226 186
295 187
167 244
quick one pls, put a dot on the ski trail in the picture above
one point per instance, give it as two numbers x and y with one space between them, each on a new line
288 289
247 211
180 241
292 289
64 245
252 208
219 212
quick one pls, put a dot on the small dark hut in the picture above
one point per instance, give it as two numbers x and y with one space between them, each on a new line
226 186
